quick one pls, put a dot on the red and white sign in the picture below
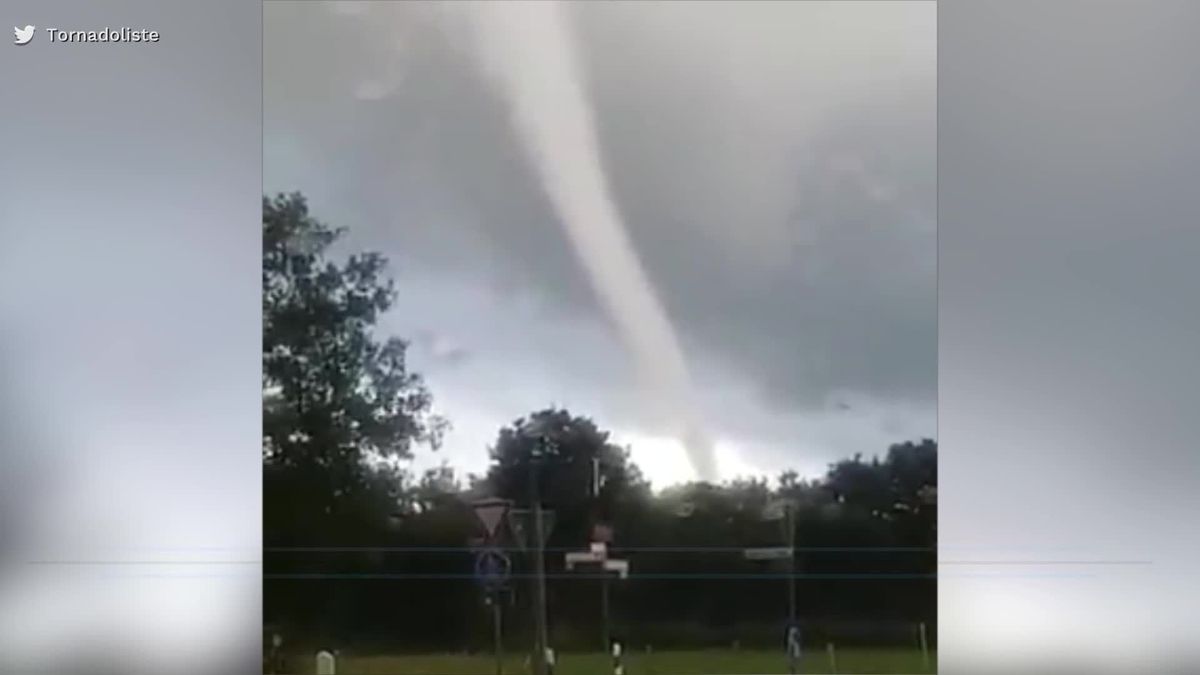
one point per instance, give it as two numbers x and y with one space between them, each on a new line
490 512
602 532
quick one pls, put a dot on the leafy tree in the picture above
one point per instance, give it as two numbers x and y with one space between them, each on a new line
562 450
913 482
339 404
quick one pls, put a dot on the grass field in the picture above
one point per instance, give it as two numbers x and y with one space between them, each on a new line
700 662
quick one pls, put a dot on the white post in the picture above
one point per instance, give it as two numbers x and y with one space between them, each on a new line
832 657
326 664
924 647
275 657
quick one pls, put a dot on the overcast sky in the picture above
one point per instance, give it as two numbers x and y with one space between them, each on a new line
774 165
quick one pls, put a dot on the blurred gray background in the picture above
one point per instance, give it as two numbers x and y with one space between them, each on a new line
1068 154
129 339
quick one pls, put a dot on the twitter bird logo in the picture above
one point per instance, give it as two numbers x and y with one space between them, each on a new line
23 35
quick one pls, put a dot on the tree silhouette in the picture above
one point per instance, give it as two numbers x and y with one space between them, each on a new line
339 404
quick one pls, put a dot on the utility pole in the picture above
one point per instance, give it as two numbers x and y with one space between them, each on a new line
605 622
599 516
784 512
541 639
791 544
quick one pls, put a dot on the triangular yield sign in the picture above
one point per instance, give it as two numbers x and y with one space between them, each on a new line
490 512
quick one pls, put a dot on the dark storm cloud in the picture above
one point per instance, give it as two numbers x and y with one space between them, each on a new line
775 167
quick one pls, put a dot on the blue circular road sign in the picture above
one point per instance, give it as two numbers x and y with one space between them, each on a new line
492 568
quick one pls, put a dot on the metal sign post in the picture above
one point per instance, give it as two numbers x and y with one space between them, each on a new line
539 567
785 510
493 599
791 544
597 554
605 621
492 571
493 568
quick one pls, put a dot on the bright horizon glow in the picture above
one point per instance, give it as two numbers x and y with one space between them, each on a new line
664 461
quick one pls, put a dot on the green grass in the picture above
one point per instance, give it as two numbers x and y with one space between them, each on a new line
698 662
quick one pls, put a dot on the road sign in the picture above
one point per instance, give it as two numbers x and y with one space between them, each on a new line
516 525
602 532
621 567
491 512
597 555
492 568
582 557
520 521
775 553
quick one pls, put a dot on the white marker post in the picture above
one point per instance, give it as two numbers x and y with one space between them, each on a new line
597 554
326 664
794 650
924 647
275 655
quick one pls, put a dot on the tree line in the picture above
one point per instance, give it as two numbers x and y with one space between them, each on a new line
360 553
